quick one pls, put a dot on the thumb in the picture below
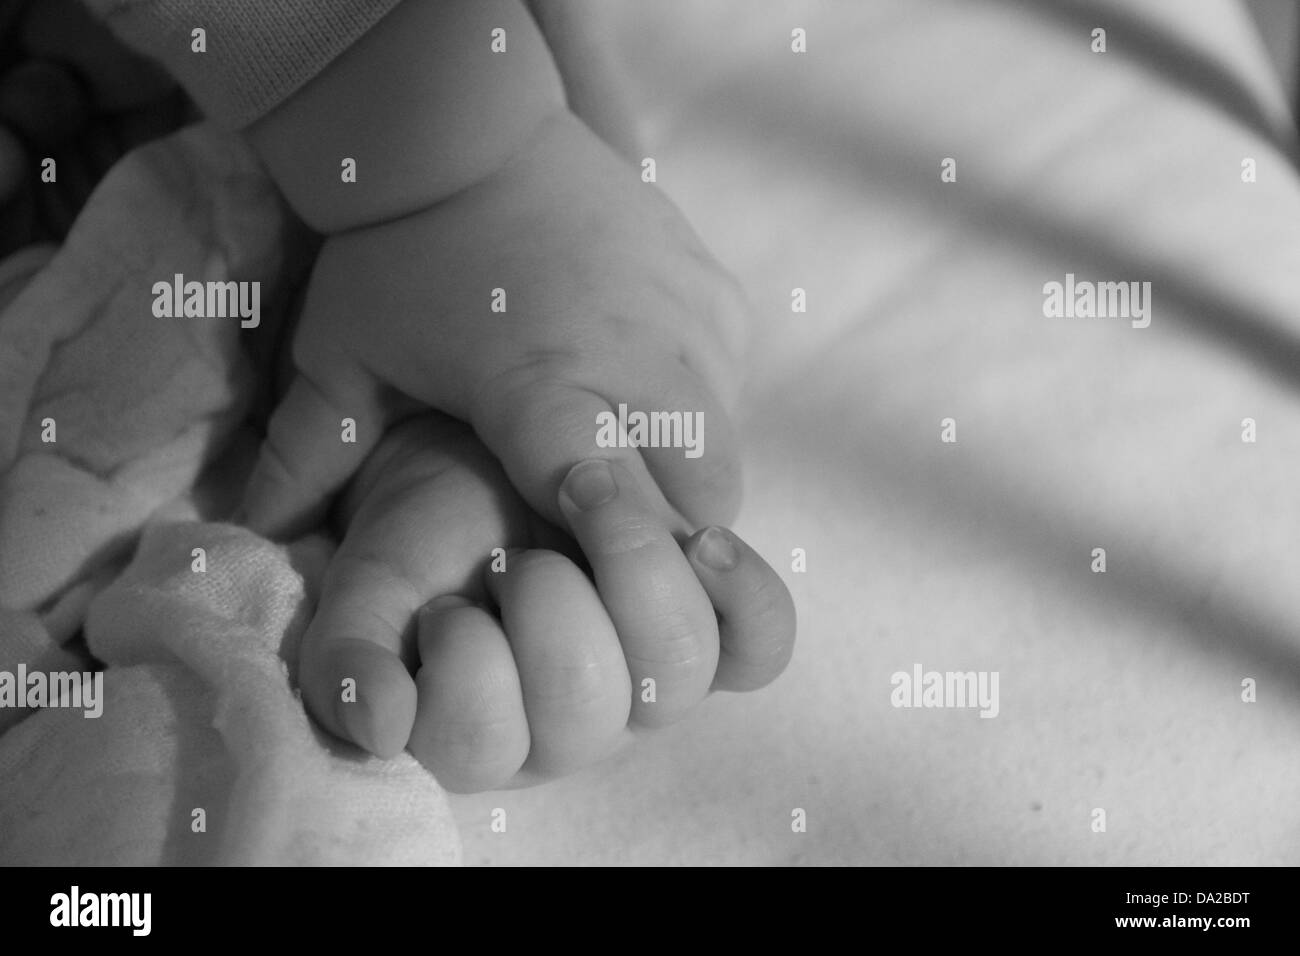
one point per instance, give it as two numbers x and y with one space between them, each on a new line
316 439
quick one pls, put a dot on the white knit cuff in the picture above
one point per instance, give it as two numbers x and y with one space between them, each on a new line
258 52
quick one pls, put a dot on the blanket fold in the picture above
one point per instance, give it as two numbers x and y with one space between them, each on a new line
119 435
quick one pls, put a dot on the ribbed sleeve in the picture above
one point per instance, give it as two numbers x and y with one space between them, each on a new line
258 51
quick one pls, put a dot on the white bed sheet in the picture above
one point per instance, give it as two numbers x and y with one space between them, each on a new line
1120 690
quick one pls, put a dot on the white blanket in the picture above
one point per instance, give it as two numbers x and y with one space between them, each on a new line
201 751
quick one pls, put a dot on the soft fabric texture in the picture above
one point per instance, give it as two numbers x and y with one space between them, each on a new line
203 752
257 52
136 405
204 755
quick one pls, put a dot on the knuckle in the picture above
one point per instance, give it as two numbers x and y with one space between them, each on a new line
523 405
678 640
388 580
535 562
574 689
479 739
629 535
764 660
763 639
770 599
481 731
530 374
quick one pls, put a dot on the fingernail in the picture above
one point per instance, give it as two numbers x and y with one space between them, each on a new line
589 484
715 549
357 721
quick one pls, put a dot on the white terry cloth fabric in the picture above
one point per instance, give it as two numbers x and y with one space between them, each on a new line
204 754
200 713
138 404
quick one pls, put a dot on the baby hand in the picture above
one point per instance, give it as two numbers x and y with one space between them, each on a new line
521 674
609 299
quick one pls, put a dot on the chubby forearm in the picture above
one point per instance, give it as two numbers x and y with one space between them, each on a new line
421 104
580 36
